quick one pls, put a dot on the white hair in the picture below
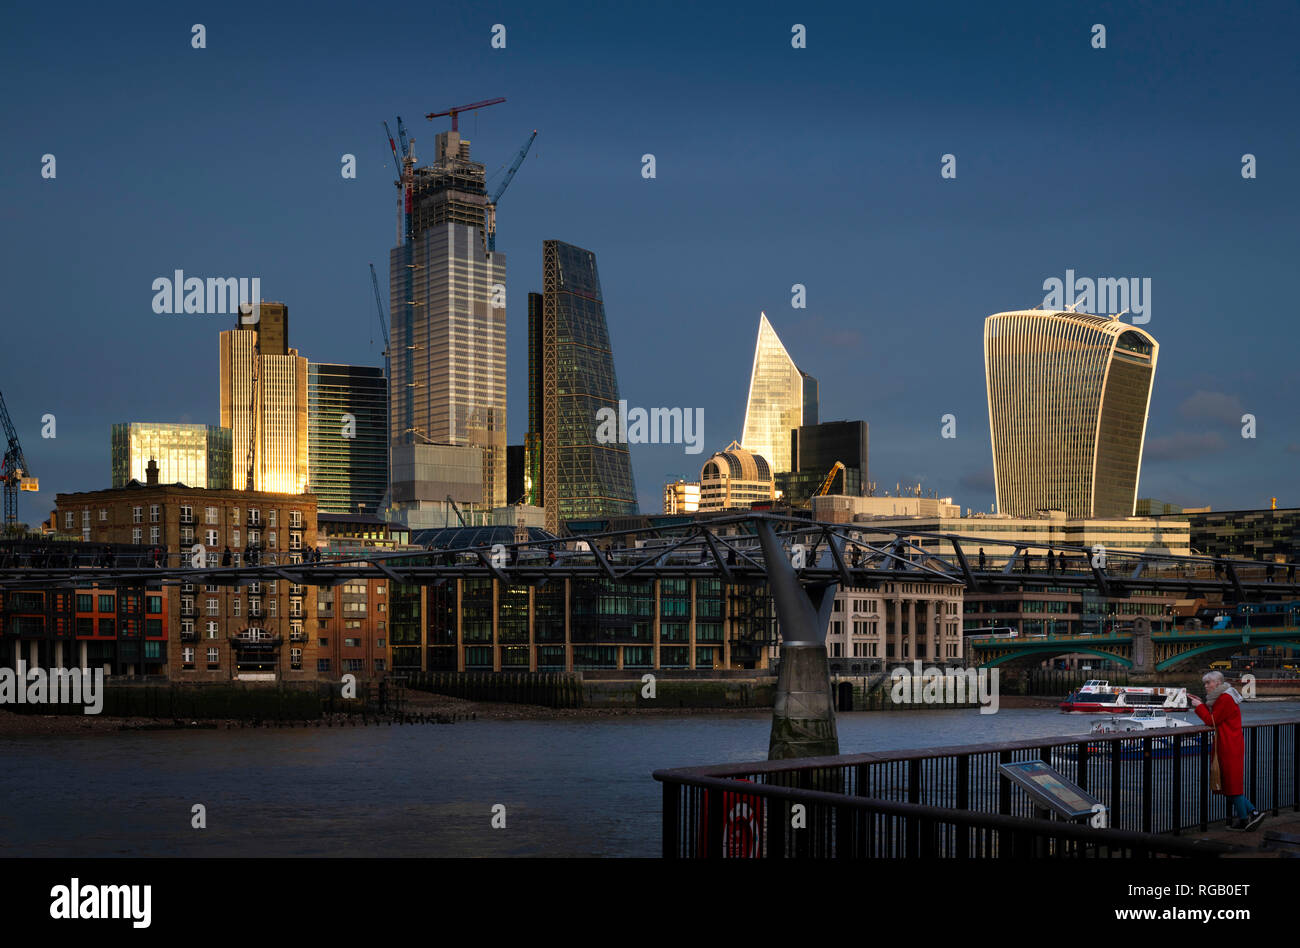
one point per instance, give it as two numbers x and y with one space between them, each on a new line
1212 678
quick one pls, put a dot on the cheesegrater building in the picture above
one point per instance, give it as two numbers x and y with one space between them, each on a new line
1068 395
570 379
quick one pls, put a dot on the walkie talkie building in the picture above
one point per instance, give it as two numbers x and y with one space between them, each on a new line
1068 395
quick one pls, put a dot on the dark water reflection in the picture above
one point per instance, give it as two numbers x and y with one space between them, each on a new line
570 788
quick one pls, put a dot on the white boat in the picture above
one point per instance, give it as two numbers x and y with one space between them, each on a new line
1097 695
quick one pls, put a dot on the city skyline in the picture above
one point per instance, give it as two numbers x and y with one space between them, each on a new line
882 352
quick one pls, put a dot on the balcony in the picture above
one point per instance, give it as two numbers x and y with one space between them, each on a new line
189 636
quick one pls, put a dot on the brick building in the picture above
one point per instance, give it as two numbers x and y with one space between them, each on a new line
251 633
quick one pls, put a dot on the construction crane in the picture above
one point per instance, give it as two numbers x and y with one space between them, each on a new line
836 468
492 204
383 323
13 469
404 163
454 111
457 509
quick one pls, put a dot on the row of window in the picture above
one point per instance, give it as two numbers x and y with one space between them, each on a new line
211 516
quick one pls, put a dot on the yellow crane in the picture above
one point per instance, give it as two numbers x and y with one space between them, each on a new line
838 468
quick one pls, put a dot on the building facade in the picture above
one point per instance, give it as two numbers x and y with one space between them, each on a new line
1267 534
781 398
264 404
814 451
218 633
581 476
734 479
448 339
1068 395
681 497
196 455
874 627
347 410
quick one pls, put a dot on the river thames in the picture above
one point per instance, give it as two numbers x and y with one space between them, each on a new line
572 787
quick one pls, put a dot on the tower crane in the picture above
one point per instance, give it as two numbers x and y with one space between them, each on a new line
379 308
404 163
455 110
13 469
492 204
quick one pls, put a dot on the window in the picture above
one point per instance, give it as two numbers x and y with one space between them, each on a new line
212 607
68 519
153 627
234 536
210 515
214 656
135 535
187 513
380 607
212 538
352 643
187 536
153 513
382 625
270 606
322 641
381 643
187 655
103 516
354 664
295 658
270 538
295 519
137 515
153 604
85 602
254 516
270 518
295 541
379 664
105 603
234 607
212 630
153 534
85 518
322 664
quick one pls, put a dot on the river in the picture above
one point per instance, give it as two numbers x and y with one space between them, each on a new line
572 787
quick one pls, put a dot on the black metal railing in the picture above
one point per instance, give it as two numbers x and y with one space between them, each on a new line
1154 784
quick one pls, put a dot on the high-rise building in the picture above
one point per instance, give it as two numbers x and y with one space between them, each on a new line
348 437
448 341
571 378
735 479
814 449
276 407
681 496
781 398
194 455
1068 395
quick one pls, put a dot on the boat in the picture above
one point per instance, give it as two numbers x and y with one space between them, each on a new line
1144 719
1098 696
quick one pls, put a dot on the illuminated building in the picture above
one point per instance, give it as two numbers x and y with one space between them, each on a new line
735 479
194 455
781 398
1068 395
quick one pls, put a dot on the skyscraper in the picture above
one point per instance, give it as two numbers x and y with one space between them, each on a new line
277 404
571 378
781 398
1068 395
348 437
193 455
448 341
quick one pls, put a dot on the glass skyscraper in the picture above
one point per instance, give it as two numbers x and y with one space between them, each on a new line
193 455
1068 395
348 456
781 398
571 377
448 341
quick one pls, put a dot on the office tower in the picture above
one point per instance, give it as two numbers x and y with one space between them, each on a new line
681 496
347 408
814 450
1068 395
570 379
516 474
193 455
781 398
277 405
734 479
536 403
448 340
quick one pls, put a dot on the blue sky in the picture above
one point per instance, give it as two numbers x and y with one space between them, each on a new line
775 166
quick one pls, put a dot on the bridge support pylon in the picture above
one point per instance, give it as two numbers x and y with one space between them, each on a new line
1143 652
803 716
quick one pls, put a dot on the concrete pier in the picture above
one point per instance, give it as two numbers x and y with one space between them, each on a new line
803 716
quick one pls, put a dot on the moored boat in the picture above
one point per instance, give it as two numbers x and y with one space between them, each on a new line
1099 696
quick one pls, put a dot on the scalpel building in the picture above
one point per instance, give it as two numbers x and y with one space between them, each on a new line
1068 395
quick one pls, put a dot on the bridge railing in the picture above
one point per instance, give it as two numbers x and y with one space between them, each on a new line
954 802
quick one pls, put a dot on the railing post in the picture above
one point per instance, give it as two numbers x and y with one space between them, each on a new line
1004 788
1277 764
1295 766
672 829
1148 791
1176 791
1206 750
1116 759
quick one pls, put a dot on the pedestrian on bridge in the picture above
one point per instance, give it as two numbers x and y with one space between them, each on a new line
982 559
1221 709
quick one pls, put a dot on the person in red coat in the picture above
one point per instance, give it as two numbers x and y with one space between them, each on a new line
1222 710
